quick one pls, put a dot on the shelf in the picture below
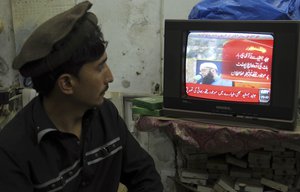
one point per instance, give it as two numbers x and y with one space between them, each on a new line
216 137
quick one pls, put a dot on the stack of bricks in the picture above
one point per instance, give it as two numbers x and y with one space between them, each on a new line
272 168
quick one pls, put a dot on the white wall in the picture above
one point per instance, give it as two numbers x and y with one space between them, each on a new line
7 48
178 9
134 29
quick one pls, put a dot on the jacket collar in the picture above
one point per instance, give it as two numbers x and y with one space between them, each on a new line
42 123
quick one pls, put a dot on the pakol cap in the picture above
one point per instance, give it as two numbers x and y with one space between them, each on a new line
44 50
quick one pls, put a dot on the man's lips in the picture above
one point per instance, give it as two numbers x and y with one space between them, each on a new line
106 88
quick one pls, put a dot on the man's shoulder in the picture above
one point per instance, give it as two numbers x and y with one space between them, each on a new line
17 129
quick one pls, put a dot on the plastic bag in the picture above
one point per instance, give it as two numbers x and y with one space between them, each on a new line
246 10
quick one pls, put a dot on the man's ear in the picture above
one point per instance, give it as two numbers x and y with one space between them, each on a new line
65 84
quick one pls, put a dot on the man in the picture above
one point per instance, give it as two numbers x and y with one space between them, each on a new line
70 138
209 75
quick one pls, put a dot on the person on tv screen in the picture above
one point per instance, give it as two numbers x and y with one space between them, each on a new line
70 138
209 75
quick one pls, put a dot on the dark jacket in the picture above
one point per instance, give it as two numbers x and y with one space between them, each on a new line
35 156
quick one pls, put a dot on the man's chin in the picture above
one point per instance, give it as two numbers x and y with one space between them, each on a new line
97 104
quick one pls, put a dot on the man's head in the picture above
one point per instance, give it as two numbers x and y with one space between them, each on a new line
57 50
208 71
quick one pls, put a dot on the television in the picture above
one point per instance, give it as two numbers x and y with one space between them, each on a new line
232 71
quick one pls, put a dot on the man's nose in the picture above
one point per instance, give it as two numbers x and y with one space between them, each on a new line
109 76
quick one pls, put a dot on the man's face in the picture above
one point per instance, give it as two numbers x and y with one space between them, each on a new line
204 71
92 82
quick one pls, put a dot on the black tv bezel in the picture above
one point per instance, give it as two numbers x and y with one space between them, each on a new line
282 111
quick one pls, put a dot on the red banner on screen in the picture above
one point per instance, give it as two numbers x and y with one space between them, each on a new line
248 60
238 94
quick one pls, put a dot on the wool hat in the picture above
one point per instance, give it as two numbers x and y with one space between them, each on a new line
53 42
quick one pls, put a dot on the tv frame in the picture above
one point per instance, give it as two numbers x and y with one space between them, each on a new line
283 109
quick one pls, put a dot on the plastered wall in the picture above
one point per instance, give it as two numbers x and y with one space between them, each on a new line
7 46
134 29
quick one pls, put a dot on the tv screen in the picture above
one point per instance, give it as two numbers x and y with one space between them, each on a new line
240 71
229 66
